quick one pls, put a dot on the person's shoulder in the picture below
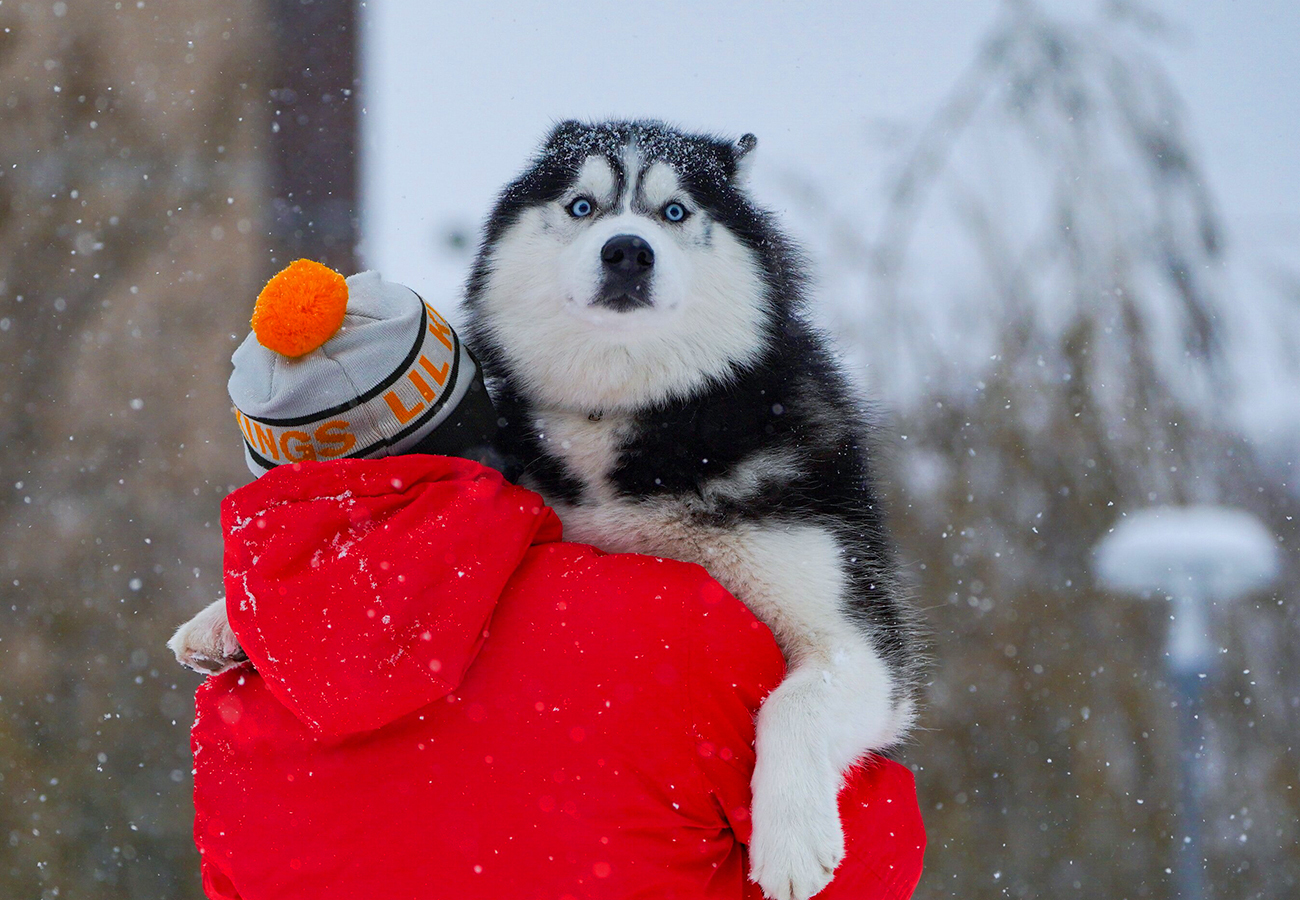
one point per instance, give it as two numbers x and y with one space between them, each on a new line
664 599
639 584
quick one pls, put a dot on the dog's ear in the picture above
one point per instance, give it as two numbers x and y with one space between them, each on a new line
742 156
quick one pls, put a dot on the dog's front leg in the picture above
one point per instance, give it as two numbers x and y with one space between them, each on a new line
206 642
833 707
797 841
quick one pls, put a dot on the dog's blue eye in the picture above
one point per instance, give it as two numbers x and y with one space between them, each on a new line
674 212
580 207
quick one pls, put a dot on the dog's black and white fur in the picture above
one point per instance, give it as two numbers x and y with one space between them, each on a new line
642 323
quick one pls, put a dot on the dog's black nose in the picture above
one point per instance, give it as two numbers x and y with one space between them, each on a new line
627 254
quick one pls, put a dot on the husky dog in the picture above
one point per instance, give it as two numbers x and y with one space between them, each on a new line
642 322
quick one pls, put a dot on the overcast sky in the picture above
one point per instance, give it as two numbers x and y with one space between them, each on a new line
457 96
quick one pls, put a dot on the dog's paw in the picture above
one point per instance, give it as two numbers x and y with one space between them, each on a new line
798 840
205 643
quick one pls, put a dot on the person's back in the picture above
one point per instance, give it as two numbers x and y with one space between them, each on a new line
480 710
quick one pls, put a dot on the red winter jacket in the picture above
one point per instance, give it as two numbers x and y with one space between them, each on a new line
450 702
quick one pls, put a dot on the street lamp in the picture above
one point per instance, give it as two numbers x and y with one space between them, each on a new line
1197 556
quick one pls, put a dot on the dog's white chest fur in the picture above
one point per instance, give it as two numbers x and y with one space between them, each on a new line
588 444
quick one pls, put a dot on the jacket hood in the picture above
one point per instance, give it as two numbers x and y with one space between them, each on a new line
362 589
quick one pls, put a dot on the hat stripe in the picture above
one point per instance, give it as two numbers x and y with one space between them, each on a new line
403 404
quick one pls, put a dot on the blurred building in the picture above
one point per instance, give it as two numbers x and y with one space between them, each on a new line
160 160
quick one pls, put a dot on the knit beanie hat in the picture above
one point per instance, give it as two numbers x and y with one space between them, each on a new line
358 367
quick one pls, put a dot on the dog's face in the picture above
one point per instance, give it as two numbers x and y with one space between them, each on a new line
624 267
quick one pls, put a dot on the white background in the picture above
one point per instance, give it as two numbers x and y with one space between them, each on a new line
457 96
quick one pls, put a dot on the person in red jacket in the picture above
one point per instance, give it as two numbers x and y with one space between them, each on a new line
444 699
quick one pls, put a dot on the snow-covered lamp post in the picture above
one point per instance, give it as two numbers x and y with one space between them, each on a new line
1197 556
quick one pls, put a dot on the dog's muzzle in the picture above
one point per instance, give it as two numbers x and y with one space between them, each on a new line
628 262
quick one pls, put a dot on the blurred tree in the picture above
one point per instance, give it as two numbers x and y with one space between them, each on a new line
1055 354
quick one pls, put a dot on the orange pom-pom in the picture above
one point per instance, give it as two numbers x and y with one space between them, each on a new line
300 308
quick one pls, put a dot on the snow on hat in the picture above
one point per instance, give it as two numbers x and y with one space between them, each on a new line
356 367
